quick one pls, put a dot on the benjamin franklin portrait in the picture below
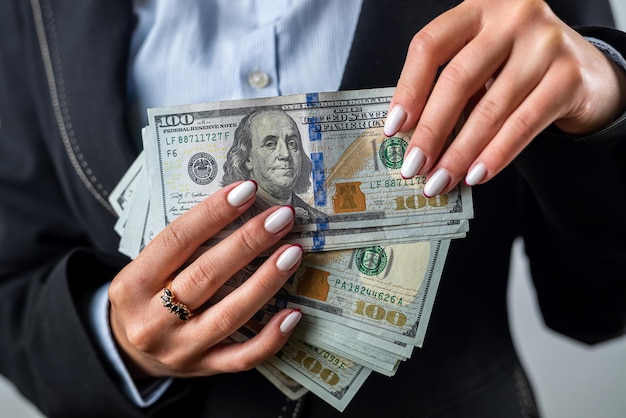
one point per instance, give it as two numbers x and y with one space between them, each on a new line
267 148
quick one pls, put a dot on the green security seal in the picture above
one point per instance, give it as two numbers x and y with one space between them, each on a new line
391 152
371 261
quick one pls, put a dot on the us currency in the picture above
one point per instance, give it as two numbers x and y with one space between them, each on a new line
330 376
346 334
381 295
385 290
132 238
356 209
282 381
289 387
343 173
122 194
409 272
338 239
334 338
370 356
144 225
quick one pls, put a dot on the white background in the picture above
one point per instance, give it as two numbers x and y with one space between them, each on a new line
571 380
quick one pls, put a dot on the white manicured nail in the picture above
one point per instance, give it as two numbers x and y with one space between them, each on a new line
289 258
242 193
290 322
412 163
437 182
395 119
476 174
279 219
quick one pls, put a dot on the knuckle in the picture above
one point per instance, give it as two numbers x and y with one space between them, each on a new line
202 274
176 238
523 12
427 134
210 211
267 284
457 77
225 322
572 73
408 91
117 290
498 155
244 363
123 287
521 125
423 43
262 350
140 338
269 348
457 160
174 361
552 39
489 112
248 239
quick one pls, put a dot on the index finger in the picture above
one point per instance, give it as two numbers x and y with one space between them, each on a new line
429 49
176 243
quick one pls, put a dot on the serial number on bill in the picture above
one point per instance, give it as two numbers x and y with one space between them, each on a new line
188 139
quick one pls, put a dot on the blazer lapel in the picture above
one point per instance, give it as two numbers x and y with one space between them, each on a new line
382 37
85 65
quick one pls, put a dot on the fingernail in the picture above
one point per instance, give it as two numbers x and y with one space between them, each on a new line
279 219
476 174
412 163
395 119
242 193
290 322
289 258
437 182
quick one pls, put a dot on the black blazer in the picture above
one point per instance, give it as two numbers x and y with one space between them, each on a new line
65 142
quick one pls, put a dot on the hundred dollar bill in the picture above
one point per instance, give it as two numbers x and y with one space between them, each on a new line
323 153
339 239
289 387
122 193
133 236
367 297
399 348
283 382
370 356
386 290
144 226
330 376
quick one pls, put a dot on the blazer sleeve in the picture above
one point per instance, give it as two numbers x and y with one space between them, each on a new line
49 265
574 207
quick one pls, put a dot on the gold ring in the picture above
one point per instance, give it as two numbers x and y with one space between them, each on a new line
177 308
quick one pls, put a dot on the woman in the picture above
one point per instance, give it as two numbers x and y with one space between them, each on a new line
65 141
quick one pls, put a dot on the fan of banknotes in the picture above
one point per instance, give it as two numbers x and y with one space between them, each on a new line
375 246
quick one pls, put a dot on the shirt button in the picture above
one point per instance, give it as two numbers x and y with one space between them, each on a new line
258 79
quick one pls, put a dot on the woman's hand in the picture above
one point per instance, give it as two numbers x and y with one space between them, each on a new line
514 68
157 342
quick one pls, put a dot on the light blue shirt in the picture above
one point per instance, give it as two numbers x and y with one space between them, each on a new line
200 51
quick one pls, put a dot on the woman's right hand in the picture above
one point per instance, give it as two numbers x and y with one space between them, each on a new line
155 341
513 68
